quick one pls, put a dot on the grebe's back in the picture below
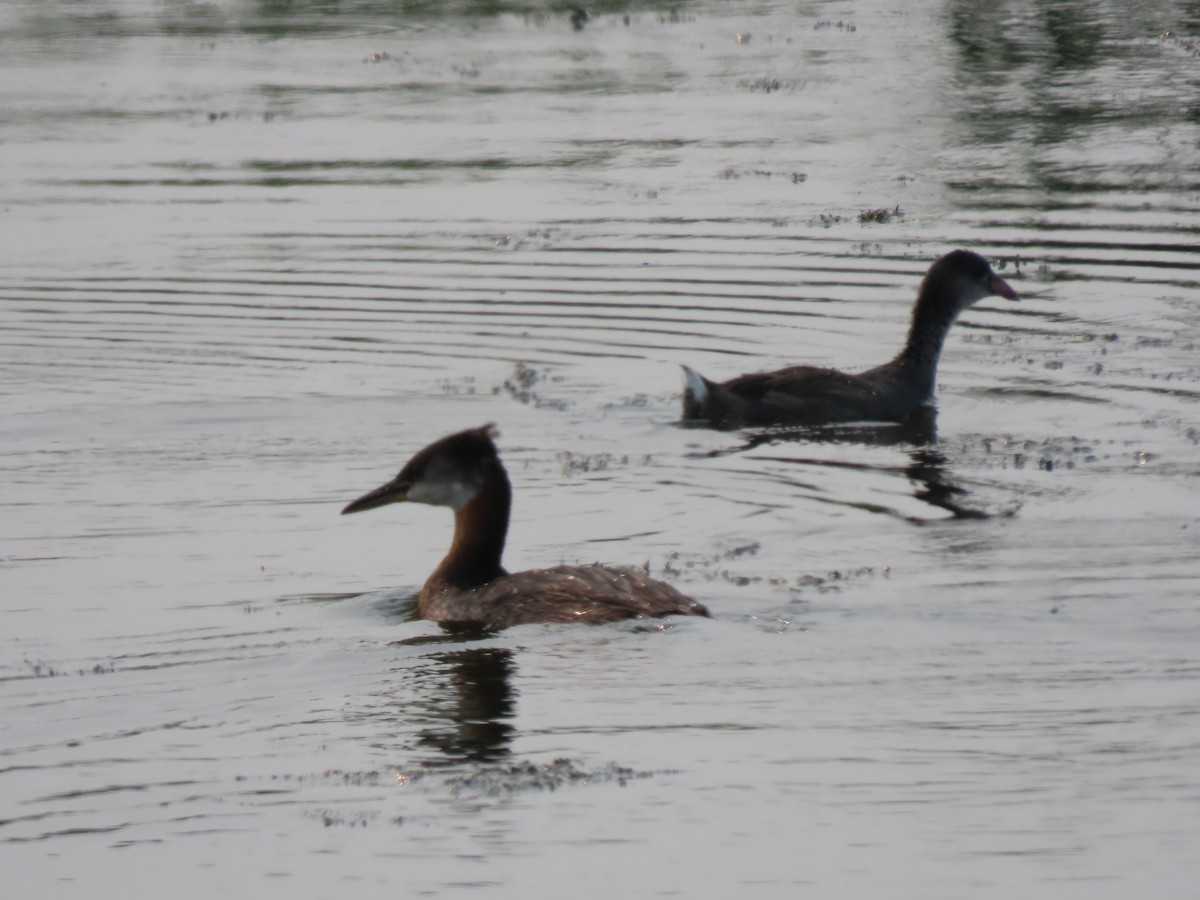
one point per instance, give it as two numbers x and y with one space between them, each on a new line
595 594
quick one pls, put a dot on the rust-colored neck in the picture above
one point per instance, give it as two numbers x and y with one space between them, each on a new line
480 528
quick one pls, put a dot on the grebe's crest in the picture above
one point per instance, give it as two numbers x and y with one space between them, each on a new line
450 471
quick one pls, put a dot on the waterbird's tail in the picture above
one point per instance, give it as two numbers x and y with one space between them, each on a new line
695 394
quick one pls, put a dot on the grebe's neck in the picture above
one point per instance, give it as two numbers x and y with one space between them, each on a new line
480 527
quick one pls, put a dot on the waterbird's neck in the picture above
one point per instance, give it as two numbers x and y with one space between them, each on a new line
933 315
480 528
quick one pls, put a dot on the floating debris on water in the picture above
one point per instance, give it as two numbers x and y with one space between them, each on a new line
827 220
520 386
494 781
1187 45
879 216
732 174
765 85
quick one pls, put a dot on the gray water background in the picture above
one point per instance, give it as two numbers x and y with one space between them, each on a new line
257 253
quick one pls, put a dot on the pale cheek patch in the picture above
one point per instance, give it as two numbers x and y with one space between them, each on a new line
454 494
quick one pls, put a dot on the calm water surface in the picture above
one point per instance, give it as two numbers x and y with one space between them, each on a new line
259 253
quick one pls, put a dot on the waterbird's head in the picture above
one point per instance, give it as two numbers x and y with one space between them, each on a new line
449 472
964 278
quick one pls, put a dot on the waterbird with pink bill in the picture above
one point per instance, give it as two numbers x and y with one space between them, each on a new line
892 392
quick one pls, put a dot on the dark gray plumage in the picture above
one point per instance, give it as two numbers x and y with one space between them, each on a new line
892 392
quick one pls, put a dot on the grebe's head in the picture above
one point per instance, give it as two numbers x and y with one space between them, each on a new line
449 472
964 278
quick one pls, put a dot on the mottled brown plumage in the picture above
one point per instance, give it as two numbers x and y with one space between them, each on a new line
594 594
463 471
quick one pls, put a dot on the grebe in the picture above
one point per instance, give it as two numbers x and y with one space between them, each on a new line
463 471
808 395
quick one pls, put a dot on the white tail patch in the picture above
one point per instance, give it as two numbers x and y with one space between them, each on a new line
695 390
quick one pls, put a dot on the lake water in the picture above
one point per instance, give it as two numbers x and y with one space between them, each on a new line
257 253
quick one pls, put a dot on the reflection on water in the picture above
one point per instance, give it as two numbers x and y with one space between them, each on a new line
470 704
927 468
919 430
928 473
